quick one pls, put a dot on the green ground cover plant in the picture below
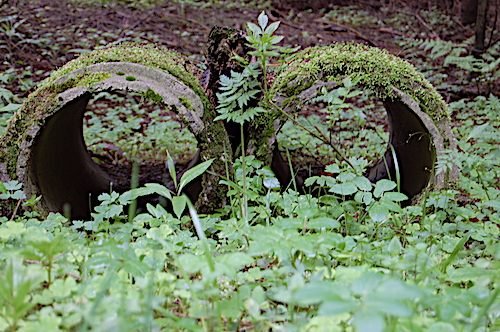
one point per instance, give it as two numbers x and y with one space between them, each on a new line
352 259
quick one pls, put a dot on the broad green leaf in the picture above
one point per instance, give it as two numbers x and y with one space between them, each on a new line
392 206
263 20
236 260
394 247
323 222
276 39
12 229
315 293
231 308
394 196
193 173
343 189
368 321
272 28
337 307
366 283
347 82
363 197
10 108
378 212
171 168
494 204
386 305
342 91
63 287
179 205
469 274
382 186
271 183
254 30
252 307
398 290
136 268
362 183
192 263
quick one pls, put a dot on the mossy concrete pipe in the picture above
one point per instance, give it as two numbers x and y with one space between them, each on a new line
44 146
419 125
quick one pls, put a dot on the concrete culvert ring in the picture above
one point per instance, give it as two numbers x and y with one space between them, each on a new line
44 147
419 127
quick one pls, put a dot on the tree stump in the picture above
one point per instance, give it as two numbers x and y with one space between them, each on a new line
44 147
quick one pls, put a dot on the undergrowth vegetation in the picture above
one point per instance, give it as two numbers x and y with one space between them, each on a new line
352 259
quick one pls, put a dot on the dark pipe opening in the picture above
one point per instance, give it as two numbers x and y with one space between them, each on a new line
412 145
61 166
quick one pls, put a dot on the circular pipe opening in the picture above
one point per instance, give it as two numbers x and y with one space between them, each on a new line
61 166
409 152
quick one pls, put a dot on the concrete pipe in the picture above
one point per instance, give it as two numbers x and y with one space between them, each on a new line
419 125
44 146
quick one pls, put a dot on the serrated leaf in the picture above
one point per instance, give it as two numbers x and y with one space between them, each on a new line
272 28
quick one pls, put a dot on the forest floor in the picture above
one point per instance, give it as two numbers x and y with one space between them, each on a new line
184 28
42 35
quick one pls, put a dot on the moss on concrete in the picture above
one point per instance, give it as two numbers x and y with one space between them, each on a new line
378 71
149 55
153 96
184 101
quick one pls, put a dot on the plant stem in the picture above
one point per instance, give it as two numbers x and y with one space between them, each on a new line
134 183
244 171
321 137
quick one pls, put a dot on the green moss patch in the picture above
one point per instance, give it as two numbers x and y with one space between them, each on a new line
378 71
148 55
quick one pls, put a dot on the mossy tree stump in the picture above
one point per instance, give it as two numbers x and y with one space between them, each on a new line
44 146
419 128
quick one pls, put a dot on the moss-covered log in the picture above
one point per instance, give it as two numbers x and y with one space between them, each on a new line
44 147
